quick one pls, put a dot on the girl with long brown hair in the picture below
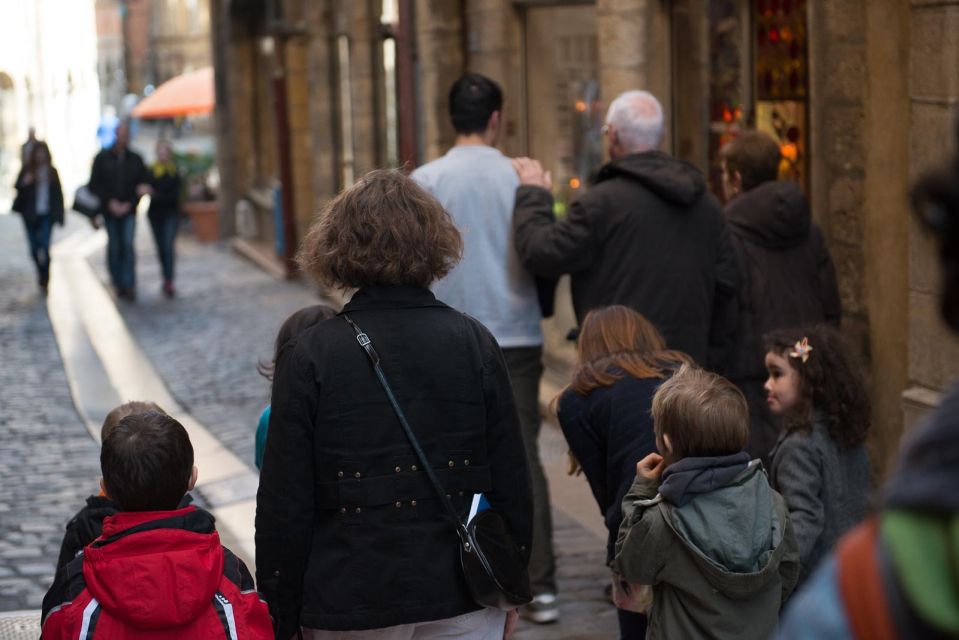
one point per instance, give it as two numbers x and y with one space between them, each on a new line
605 412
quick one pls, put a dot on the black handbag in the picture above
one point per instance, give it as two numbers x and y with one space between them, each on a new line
493 564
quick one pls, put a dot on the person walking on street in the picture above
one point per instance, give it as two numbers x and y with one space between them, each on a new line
351 534
116 178
789 276
39 201
477 185
648 235
164 212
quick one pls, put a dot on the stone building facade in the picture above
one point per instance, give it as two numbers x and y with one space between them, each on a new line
861 95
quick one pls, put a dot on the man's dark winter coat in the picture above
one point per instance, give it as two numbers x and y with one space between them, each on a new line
648 235
790 281
115 176
349 532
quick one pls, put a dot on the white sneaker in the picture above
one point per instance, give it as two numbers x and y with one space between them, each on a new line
542 609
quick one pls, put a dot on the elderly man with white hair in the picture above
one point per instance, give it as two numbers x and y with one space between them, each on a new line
648 234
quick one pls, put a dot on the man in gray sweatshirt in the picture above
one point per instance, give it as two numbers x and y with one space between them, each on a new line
477 185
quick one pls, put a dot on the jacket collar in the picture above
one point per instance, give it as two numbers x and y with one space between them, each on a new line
392 297
125 523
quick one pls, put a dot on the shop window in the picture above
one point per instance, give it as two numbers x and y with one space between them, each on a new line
782 81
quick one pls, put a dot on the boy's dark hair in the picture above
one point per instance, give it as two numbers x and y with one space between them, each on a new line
829 383
473 99
702 413
146 462
293 326
126 409
755 155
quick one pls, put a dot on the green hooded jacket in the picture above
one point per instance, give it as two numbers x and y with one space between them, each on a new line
721 565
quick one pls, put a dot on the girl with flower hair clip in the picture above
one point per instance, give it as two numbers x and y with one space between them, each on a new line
819 464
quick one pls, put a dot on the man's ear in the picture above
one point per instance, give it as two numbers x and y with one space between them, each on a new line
103 489
193 477
737 180
494 121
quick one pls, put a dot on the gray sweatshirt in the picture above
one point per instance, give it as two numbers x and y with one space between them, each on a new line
477 185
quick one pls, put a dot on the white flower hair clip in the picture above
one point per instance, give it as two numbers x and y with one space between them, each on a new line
801 350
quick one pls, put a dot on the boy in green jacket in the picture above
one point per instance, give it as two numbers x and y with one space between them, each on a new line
701 523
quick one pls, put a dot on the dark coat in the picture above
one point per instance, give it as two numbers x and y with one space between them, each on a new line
165 199
790 281
825 488
647 235
117 178
26 200
609 431
349 534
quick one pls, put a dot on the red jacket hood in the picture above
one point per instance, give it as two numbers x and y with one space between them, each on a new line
155 570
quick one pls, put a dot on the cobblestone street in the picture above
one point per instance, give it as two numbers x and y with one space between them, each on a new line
48 462
205 345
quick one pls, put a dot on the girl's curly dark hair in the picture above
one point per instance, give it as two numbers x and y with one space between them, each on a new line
829 383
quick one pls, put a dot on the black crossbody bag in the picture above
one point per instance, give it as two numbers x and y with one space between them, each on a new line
492 562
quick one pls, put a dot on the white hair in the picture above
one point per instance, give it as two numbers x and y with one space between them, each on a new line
638 119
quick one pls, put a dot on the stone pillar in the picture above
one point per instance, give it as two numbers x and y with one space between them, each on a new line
322 107
933 98
439 53
885 220
494 48
634 50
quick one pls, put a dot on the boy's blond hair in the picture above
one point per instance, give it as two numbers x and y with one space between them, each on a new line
702 413
127 409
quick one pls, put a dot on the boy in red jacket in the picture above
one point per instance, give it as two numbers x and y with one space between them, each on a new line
156 571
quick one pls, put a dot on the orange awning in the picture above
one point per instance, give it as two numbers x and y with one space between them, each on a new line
189 94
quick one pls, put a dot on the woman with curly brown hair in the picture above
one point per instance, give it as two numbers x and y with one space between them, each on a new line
820 464
350 535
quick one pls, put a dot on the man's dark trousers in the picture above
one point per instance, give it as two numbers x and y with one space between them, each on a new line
525 365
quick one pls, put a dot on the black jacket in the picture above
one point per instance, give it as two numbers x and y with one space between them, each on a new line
165 199
349 534
116 178
609 431
26 199
790 281
647 235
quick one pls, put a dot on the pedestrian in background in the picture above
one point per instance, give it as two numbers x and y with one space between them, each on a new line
605 414
350 535
164 213
477 185
895 575
26 149
819 464
701 523
39 201
117 174
648 235
789 276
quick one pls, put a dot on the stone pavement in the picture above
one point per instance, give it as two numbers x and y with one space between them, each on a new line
48 462
204 344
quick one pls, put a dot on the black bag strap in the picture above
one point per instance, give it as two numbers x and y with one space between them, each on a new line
364 340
